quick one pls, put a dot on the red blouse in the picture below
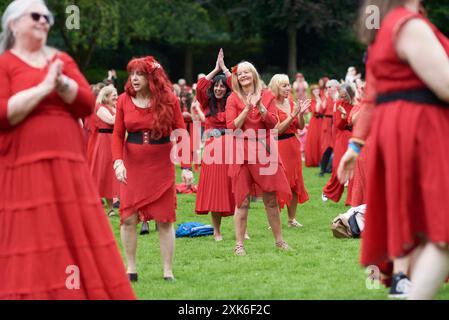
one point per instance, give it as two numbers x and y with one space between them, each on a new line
342 123
100 124
131 118
294 126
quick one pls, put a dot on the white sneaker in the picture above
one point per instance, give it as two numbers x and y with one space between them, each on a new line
323 197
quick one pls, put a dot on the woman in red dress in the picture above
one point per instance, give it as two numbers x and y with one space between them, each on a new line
408 181
313 146
333 190
250 108
55 240
291 118
214 188
99 146
148 111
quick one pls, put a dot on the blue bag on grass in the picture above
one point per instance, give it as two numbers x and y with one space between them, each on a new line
193 229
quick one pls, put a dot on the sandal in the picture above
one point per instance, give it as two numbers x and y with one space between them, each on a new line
240 250
294 224
283 245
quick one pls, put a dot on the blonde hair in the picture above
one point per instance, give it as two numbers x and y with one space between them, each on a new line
275 83
14 11
105 93
237 88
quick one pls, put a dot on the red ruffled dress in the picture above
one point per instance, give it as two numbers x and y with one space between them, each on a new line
52 226
313 142
334 189
248 166
408 176
327 139
290 153
150 190
100 157
215 187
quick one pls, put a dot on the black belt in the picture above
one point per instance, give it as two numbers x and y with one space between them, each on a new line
319 116
348 128
217 132
105 130
143 137
424 96
328 116
285 136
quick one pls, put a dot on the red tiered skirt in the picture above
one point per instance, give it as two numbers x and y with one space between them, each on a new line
408 180
150 190
313 144
290 154
101 166
52 223
215 187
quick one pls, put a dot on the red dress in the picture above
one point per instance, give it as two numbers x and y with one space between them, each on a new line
248 167
408 179
51 221
100 157
290 154
334 189
214 188
327 139
313 141
150 190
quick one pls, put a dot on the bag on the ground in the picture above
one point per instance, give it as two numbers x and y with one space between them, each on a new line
349 224
193 229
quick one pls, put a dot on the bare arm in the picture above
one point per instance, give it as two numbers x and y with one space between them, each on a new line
105 116
418 45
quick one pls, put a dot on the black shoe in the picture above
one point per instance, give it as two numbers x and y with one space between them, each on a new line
400 286
132 277
116 204
170 279
321 174
145 228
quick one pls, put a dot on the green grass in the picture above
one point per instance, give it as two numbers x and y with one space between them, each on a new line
320 267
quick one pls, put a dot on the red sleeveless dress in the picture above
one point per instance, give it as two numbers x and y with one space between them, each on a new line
52 226
290 154
313 140
408 176
100 158
214 187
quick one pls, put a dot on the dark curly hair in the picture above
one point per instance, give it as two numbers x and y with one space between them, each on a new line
213 102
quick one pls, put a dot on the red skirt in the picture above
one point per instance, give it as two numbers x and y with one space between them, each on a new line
408 181
215 187
150 190
290 153
101 166
313 143
53 230
357 192
326 139
334 189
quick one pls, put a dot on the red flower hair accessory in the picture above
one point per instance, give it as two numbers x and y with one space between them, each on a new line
234 69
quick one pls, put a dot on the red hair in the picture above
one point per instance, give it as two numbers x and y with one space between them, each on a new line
162 99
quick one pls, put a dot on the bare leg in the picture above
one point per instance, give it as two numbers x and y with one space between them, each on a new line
129 240
241 221
429 273
274 219
401 265
216 222
167 244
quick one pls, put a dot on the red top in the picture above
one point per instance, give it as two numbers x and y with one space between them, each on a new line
342 123
100 124
312 108
385 71
294 126
51 117
131 118
328 106
254 120
219 120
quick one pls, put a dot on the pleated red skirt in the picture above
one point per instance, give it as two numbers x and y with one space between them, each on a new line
408 180
54 235
313 144
215 186
290 154
334 189
150 190
101 166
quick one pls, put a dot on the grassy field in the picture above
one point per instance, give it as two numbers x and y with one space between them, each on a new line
319 267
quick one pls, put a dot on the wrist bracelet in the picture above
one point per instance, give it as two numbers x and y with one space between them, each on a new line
354 147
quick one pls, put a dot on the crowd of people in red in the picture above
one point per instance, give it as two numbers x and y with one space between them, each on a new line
65 145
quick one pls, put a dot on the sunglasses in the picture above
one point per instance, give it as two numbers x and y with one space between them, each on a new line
37 17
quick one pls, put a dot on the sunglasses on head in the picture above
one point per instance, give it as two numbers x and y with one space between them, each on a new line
37 17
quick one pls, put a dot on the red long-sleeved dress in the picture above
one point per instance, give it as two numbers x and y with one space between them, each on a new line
313 142
150 190
52 225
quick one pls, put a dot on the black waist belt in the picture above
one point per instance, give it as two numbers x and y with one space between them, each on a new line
424 96
348 127
105 130
328 116
217 132
285 136
144 137
319 116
